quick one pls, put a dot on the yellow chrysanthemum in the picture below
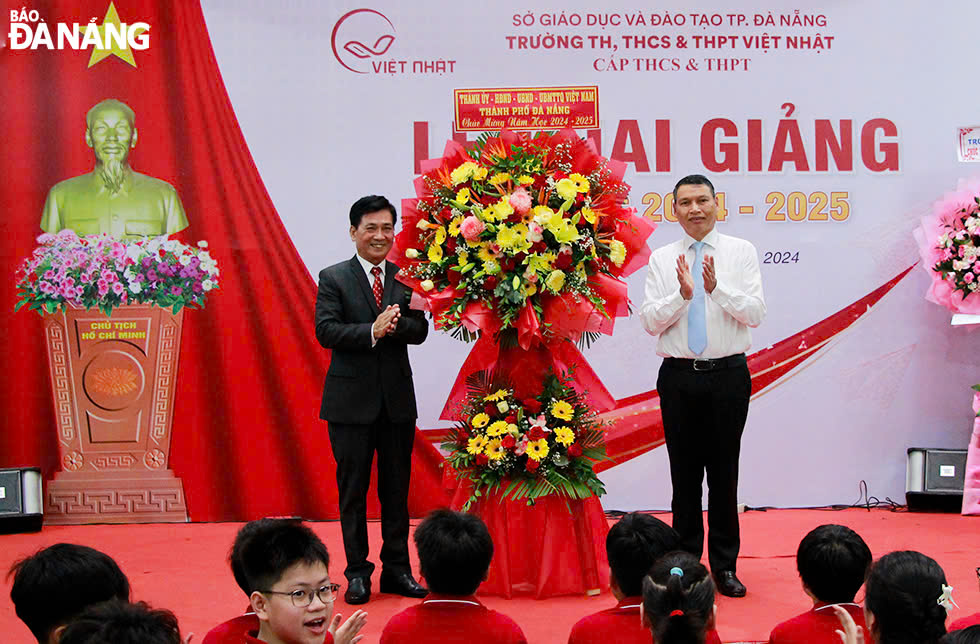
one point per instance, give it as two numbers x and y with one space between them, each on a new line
497 428
463 196
463 173
454 226
500 394
480 420
463 258
589 215
476 444
555 281
489 214
529 289
435 253
537 450
503 208
484 253
522 245
494 450
499 178
564 435
581 183
507 237
562 409
617 252
543 215
440 234
480 174
525 180
566 188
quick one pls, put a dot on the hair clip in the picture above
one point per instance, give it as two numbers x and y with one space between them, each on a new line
677 571
676 612
946 598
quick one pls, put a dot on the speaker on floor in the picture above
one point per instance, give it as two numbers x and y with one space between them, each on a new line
934 479
21 506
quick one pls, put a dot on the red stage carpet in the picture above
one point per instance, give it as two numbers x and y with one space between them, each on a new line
183 568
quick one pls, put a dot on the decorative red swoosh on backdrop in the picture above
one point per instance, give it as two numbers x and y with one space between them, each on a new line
635 423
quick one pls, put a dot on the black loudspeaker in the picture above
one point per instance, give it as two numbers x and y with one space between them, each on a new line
934 479
21 507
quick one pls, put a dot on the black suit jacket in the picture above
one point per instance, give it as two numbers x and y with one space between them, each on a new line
362 378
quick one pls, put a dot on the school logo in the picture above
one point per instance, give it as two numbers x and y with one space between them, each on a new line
360 37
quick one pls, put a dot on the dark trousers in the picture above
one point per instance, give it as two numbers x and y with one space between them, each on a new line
704 414
353 449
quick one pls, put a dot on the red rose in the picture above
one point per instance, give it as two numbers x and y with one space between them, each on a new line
506 264
533 406
451 245
454 277
511 418
482 459
564 261
536 434
490 282
574 450
509 441
532 465
538 247
490 409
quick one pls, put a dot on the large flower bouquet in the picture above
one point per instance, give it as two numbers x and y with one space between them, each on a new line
949 243
102 272
537 446
523 234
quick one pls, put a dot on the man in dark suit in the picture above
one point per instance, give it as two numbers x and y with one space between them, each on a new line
363 317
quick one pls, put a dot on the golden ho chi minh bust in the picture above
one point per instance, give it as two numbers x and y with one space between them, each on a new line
113 198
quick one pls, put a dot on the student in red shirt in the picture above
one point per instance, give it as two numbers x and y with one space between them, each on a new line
120 622
968 621
260 550
455 550
678 600
833 562
632 545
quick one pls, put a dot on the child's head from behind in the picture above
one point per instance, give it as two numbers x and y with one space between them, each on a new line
633 544
455 550
833 562
119 622
901 599
285 566
678 599
58 582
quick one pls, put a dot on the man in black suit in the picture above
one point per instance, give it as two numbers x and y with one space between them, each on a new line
363 317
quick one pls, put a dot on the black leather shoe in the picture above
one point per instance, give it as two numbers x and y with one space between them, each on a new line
728 584
358 590
402 584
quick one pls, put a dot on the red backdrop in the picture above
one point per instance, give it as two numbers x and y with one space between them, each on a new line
247 440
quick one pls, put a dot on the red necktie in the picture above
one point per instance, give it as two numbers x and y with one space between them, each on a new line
378 287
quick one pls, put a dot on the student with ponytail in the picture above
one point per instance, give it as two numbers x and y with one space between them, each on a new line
905 601
678 600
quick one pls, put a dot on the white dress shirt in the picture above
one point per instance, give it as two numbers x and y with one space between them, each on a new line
731 308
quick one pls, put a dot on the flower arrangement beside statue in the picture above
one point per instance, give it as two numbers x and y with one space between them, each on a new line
536 446
99 271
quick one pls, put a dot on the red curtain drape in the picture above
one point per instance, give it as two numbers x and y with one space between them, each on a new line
247 440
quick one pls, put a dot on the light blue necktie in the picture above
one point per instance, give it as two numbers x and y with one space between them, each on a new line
697 329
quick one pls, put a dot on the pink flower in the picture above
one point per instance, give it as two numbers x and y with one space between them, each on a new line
968 278
46 238
976 267
534 232
520 201
118 288
176 290
471 228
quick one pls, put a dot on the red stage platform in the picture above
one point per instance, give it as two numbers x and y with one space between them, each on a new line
183 567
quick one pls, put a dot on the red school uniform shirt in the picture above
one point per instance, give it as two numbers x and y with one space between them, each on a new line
817 625
451 619
243 628
965 622
621 624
